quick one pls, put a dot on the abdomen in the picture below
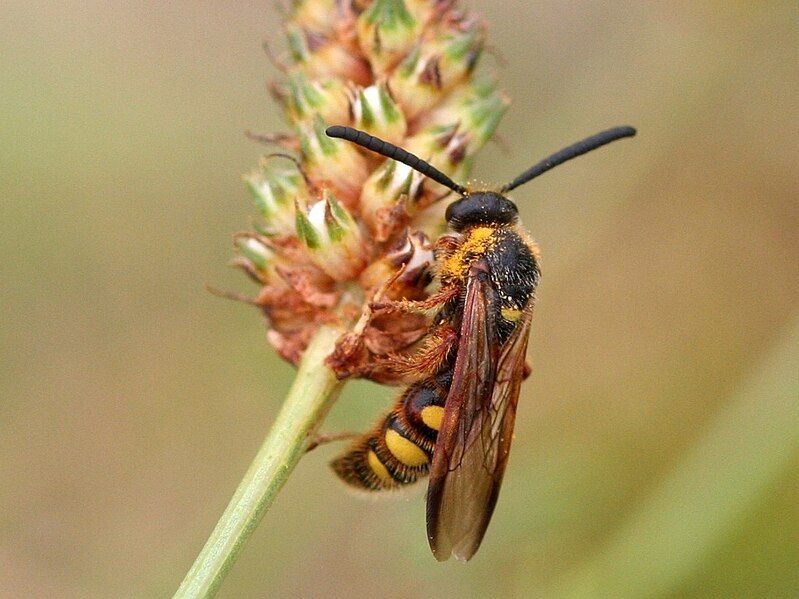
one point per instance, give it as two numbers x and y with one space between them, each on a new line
399 450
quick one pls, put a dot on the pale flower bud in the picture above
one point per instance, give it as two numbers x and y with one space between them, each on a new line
274 190
383 189
334 163
257 259
332 238
435 67
476 110
374 111
314 14
327 98
386 31
320 57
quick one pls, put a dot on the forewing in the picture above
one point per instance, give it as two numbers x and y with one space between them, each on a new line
473 444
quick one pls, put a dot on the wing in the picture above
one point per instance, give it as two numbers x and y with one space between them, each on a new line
474 441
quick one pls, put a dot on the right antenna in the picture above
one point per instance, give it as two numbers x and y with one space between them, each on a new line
572 151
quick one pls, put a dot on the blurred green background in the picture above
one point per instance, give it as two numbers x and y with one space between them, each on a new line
657 448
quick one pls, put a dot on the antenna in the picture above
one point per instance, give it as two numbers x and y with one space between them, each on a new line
572 151
389 150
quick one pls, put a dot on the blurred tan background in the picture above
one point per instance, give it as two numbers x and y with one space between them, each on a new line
657 448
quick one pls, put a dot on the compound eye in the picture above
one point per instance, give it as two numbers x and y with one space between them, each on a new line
458 213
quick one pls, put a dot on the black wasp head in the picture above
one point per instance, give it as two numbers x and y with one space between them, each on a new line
481 208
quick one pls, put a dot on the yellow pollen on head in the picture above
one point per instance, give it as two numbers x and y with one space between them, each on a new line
432 417
405 451
377 467
511 314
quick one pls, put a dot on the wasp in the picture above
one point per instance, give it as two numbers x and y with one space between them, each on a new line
456 423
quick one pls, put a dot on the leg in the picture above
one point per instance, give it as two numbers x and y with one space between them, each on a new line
441 297
322 439
423 363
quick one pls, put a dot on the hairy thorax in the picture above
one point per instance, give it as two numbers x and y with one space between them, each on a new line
510 258
474 243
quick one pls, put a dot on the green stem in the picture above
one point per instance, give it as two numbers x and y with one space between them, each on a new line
311 395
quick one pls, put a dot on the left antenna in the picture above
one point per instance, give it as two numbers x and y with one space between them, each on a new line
389 150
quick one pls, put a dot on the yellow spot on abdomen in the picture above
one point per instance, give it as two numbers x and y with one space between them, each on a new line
404 450
432 417
511 314
377 467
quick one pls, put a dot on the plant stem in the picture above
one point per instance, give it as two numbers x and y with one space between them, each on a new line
311 395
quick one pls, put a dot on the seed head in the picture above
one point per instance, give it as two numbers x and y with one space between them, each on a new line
342 229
